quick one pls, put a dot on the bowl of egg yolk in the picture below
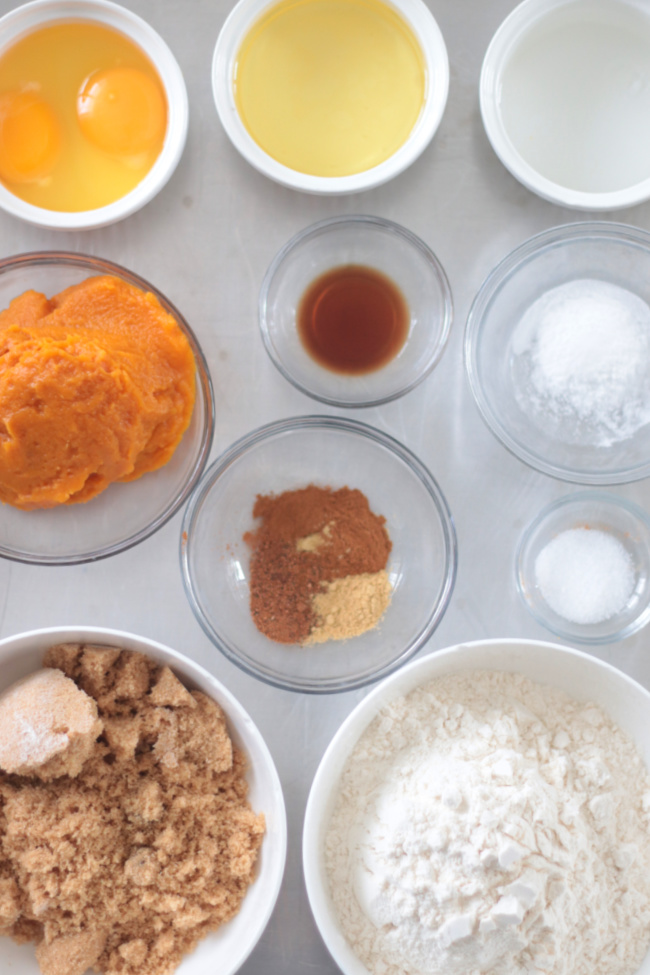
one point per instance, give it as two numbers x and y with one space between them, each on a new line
330 96
93 113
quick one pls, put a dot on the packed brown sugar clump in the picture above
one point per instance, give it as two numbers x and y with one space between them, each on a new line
317 565
125 867
96 385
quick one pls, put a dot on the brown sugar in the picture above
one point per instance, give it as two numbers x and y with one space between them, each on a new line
126 865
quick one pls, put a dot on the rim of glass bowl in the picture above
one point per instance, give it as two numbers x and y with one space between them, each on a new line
248 442
572 632
320 229
504 270
425 27
515 28
204 389
33 15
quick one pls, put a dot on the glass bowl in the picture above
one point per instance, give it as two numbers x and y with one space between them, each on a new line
370 242
610 253
226 949
333 452
30 16
123 514
582 676
617 518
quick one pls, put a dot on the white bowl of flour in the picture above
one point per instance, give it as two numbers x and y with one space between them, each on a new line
487 809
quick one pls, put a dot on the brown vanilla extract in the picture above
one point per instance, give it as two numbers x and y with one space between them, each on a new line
353 319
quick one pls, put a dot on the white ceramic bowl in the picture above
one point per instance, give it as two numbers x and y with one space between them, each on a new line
569 125
30 16
426 30
228 948
579 675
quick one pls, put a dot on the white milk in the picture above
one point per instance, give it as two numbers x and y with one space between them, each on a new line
575 95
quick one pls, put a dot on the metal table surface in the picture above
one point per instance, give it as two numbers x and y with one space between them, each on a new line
206 242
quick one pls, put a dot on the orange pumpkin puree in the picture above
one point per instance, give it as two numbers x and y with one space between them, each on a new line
96 386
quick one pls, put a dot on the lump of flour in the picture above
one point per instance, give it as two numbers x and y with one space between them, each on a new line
488 824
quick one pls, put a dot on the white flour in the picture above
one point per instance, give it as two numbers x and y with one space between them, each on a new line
488 824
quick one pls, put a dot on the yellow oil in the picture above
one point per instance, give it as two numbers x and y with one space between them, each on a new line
73 173
330 87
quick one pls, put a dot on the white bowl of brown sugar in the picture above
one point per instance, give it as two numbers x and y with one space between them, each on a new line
167 848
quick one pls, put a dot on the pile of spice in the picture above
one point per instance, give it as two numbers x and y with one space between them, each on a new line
318 565
580 365
485 823
125 831
586 575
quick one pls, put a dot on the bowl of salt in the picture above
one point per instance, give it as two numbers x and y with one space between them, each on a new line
557 352
582 568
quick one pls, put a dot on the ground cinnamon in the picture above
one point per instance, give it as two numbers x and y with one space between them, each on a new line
306 539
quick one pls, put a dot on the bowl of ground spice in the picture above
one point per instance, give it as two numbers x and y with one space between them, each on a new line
142 823
486 809
318 554
106 408
557 352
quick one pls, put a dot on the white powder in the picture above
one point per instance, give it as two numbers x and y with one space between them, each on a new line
585 575
485 823
581 357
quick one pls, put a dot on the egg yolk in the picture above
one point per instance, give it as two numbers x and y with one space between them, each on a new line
29 137
122 111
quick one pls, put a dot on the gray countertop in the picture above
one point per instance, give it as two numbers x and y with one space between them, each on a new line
206 242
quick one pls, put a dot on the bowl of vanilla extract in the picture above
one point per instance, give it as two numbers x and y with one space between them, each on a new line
355 311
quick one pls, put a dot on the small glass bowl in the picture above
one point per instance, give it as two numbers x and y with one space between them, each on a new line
123 514
333 452
608 252
624 521
31 16
385 247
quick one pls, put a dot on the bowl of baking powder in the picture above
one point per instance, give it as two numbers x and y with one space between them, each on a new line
486 809
557 352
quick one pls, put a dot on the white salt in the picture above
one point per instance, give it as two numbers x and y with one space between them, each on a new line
583 352
585 575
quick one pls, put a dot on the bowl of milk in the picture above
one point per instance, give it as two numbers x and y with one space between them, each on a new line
565 98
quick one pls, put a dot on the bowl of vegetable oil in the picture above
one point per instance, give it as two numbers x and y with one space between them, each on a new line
330 96
93 113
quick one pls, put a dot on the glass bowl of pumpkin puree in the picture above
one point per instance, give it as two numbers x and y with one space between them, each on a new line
107 409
